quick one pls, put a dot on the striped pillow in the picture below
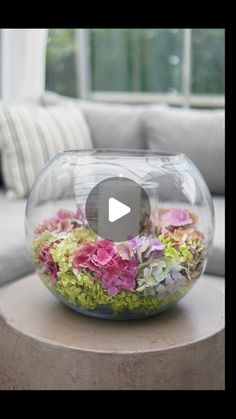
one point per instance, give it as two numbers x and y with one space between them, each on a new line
30 135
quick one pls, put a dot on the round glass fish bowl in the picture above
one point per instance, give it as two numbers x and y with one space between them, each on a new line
156 238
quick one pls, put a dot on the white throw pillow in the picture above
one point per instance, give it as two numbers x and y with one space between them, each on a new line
30 135
200 134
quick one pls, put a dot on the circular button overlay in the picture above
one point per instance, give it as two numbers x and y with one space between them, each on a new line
117 209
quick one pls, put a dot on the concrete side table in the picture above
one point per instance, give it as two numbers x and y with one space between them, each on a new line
44 345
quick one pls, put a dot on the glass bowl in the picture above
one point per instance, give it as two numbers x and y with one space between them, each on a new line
134 278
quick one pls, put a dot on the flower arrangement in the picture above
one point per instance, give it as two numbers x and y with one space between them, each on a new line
142 275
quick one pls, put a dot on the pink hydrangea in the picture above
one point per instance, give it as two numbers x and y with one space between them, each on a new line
119 275
101 257
82 256
63 215
176 217
62 221
49 225
94 254
49 266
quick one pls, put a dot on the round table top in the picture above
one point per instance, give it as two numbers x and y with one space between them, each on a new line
31 309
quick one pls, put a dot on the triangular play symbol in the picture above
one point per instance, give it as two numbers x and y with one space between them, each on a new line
116 209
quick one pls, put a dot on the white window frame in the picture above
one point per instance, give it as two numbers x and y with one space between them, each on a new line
185 99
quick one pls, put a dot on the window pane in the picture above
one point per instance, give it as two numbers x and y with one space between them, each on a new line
208 51
141 60
60 63
137 60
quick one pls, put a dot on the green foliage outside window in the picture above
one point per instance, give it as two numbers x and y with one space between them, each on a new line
60 62
137 60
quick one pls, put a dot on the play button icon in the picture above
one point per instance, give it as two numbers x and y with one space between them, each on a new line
117 209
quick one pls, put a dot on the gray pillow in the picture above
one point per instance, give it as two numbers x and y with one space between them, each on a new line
114 126
200 134
111 125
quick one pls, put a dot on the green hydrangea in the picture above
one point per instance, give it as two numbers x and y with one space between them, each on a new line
61 254
83 234
185 253
173 253
82 290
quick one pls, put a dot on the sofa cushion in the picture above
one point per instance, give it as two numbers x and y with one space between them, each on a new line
111 125
114 126
197 133
30 135
216 259
14 259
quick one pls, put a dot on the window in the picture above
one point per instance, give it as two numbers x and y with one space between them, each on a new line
61 63
136 60
208 61
175 66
